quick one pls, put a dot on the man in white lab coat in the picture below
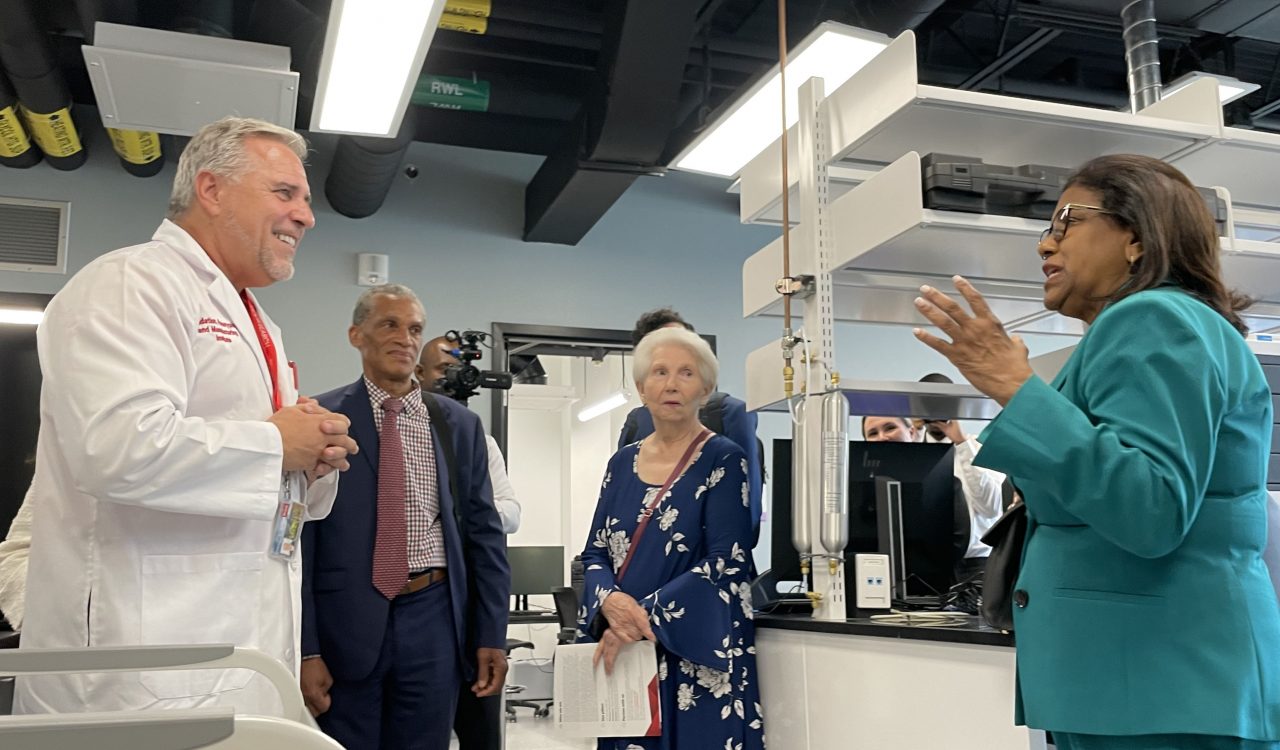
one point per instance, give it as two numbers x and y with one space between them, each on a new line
172 436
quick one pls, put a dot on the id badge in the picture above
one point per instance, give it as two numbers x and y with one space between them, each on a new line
288 524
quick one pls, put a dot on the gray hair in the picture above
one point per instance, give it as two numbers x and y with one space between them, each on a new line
219 148
708 365
364 305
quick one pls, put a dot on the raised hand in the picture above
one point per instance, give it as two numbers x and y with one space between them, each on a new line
991 360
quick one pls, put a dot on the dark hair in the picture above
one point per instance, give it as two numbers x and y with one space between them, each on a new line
1170 220
936 377
655 319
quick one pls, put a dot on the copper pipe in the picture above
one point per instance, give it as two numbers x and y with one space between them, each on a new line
786 198
788 373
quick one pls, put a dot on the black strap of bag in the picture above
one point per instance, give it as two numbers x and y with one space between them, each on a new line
451 468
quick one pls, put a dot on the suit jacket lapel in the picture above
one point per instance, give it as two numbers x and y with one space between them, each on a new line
355 404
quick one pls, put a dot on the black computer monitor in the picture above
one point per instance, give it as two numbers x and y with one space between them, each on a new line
535 570
934 518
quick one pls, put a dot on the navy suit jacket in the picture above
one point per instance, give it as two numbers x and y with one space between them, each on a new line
344 617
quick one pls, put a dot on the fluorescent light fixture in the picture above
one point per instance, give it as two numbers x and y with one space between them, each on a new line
18 316
1229 88
373 53
833 52
603 406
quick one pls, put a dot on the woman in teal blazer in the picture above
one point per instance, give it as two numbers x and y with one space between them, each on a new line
1144 613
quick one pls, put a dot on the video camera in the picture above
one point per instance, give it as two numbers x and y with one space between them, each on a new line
463 380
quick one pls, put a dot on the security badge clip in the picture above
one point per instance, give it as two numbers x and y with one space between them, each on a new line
288 522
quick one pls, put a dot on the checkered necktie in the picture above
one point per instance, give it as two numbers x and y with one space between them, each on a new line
390 547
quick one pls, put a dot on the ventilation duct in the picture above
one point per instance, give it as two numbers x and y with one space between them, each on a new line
139 151
15 145
363 169
42 93
1141 53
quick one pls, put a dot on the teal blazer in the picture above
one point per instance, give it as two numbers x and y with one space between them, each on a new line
1147 609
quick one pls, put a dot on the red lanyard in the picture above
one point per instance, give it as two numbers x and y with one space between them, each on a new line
268 348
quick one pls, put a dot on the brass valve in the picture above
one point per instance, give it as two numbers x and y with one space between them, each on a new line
815 598
833 565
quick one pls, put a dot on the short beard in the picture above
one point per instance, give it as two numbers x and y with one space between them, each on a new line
276 269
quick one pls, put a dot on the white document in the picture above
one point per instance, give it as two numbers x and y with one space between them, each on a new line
589 703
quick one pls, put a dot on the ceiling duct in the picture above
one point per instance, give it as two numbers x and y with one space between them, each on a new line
364 168
41 89
16 149
1141 53
140 151
624 124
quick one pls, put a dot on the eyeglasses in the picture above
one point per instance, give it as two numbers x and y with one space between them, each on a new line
1058 227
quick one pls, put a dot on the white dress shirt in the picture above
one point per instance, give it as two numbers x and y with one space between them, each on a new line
982 494
503 495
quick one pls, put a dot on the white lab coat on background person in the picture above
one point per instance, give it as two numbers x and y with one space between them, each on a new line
504 496
155 459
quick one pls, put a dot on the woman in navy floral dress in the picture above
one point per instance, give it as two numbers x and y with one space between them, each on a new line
687 585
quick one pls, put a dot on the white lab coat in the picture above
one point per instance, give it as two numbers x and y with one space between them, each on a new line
156 483
983 494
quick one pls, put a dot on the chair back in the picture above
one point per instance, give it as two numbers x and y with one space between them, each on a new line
567 611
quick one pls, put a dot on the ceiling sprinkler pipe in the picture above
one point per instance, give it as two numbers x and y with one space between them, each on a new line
1141 53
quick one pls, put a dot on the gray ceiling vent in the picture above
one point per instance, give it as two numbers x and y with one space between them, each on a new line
33 235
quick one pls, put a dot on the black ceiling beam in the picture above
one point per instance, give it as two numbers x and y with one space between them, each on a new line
1011 58
489 131
624 124
1106 26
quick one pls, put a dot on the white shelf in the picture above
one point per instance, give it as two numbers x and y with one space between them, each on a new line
1245 161
883 111
1254 268
887 245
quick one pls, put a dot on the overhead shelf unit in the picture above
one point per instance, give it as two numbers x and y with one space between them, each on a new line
885 243
883 111
1244 161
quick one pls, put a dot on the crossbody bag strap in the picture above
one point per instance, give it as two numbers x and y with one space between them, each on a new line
649 510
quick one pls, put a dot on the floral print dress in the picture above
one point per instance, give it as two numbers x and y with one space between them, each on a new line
691 572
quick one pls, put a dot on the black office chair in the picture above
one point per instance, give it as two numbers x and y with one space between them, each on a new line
567 614
567 611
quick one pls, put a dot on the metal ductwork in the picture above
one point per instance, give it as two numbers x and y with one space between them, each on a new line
45 102
364 168
203 17
624 125
16 149
1141 53
140 151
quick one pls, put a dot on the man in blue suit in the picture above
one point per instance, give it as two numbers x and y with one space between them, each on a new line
723 414
405 586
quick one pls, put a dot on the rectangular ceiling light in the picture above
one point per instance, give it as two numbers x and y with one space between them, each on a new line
1229 88
17 316
373 53
832 51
